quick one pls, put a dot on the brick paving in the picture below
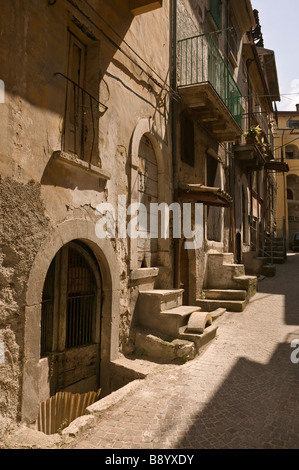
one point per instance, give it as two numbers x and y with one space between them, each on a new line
242 393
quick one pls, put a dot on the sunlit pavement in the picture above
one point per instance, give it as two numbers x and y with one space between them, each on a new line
241 393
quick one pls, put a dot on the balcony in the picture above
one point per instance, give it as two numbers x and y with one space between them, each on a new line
208 89
249 156
277 166
138 7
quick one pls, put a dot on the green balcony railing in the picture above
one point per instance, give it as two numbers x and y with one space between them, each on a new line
201 61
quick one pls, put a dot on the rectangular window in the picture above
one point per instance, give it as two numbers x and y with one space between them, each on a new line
82 107
187 140
293 123
74 126
216 12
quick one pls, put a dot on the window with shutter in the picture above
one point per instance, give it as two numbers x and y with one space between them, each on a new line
216 12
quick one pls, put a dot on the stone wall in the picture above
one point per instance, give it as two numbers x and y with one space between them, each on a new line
40 190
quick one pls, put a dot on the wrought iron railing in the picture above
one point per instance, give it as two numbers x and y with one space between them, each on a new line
200 61
81 120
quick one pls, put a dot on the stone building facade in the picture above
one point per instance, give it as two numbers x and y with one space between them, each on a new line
286 156
113 111
86 105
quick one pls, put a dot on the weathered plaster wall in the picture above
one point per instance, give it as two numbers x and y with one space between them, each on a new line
22 229
37 193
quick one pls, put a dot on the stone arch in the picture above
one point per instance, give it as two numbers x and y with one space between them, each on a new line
146 128
292 151
103 251
290 194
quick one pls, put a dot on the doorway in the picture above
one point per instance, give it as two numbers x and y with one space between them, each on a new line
71 320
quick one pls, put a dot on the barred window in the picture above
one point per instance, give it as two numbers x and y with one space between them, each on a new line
81 297
70 300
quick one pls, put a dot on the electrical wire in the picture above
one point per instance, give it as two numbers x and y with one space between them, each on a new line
161 86
125 42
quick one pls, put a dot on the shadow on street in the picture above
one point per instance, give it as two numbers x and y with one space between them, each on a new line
257 405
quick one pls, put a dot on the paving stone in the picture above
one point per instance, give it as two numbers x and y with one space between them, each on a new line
243 392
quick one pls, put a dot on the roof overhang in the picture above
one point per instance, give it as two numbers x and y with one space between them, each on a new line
243 13
249 156
207 195
138 7
277 166
256 72
267 58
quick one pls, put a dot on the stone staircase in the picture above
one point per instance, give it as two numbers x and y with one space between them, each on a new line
166 330
227 284
278 249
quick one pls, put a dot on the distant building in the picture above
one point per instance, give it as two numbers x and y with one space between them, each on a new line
287 152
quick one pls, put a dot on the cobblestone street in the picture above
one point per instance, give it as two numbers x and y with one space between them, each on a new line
241 393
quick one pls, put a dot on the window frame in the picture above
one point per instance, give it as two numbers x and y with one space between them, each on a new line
216 12
59 270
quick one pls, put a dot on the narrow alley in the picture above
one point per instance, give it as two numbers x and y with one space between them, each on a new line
242 393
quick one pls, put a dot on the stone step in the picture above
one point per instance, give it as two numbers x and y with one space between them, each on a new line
220 258
199 340
151 303
279 259
248 283
150 346
223 278
237 269
172 320
276 253
217 313
231 305
274 245
159 300
269 270
225 294
198 321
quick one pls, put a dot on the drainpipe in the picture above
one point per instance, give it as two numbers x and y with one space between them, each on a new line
248 63
176 241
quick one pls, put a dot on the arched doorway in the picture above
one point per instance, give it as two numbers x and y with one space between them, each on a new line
147 246
147 156
71 320
35 381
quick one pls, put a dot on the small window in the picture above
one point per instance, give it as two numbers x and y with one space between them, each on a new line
216 12
233 42
293 123
290 194
187 139
291 151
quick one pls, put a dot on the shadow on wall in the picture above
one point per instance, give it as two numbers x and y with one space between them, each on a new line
39 54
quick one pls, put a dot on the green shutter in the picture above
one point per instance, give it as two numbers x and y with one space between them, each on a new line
216 12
